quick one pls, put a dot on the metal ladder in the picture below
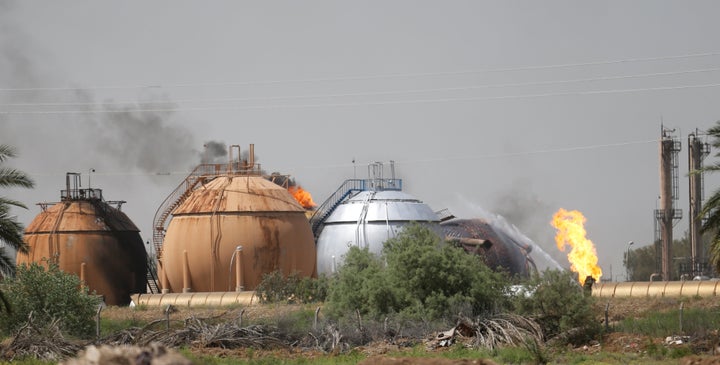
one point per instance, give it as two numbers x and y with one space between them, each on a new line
348 187
152 280
200 174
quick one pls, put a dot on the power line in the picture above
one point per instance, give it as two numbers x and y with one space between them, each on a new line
400 162
367 77
375 93
352 104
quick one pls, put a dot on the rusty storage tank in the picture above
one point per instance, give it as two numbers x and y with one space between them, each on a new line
229 226
91 238
499 251
365 213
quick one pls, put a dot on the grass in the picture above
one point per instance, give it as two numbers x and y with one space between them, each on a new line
662 324
656 322
27 361
350 358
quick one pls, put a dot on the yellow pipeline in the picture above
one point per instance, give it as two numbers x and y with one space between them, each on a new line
211 299
650 289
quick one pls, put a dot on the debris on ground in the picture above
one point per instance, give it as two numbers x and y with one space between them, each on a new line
154 354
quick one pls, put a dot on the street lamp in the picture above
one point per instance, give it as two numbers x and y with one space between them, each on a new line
90 171
627 263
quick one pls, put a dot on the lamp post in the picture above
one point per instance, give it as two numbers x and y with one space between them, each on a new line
90 171
627 263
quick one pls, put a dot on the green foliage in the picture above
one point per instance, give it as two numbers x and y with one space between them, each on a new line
49 294
108 326
711 207
662 324
516 355
28 361
350 358
417 276
362 285
296 323
642 261
276 288
10 229
560 304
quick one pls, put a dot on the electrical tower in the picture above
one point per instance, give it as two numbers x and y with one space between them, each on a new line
670 146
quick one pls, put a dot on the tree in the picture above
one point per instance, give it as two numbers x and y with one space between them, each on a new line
10 229
361 285
559 305
711 208
418 276
49 294
432 278
643 261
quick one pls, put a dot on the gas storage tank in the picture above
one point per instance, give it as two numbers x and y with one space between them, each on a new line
499 250
91 238
365 213
229 226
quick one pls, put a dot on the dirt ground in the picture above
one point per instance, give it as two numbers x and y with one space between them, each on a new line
378 353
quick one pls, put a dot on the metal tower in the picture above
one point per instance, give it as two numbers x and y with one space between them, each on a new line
670 146
697 151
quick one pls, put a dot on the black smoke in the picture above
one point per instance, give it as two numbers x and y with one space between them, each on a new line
146 136
214 152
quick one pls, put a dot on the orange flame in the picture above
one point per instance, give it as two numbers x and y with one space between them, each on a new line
302 196
571 231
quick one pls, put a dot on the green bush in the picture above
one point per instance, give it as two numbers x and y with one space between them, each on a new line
559 304
276 288
49 294
698 321
417 276
361 285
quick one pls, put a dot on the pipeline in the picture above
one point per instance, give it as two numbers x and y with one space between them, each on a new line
657 289
210 299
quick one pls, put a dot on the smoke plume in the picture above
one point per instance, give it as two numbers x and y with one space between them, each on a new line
139 137
213 152
519 205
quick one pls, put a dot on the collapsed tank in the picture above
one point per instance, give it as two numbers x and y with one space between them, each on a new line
230 225
365 213
499 251
91 238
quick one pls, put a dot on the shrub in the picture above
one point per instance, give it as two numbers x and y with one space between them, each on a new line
431 277
361 285
49 294
417 276
275 288
560 305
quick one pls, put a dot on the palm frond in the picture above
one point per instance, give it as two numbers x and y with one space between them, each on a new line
11 231
6 201
7 264
10 177
714 251
5 303
6 151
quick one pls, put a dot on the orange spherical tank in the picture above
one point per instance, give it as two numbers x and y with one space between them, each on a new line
93 240
232 230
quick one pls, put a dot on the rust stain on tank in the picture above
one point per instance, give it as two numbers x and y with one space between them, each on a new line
267 255
237 211
94 233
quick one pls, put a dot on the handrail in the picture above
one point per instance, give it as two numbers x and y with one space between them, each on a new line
202 172
328 206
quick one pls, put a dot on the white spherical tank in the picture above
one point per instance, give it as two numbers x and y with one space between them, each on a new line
368 219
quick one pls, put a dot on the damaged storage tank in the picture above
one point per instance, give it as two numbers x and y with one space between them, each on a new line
365 213
229 226
499 250
89 237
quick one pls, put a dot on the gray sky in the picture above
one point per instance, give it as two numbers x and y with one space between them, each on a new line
513 107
